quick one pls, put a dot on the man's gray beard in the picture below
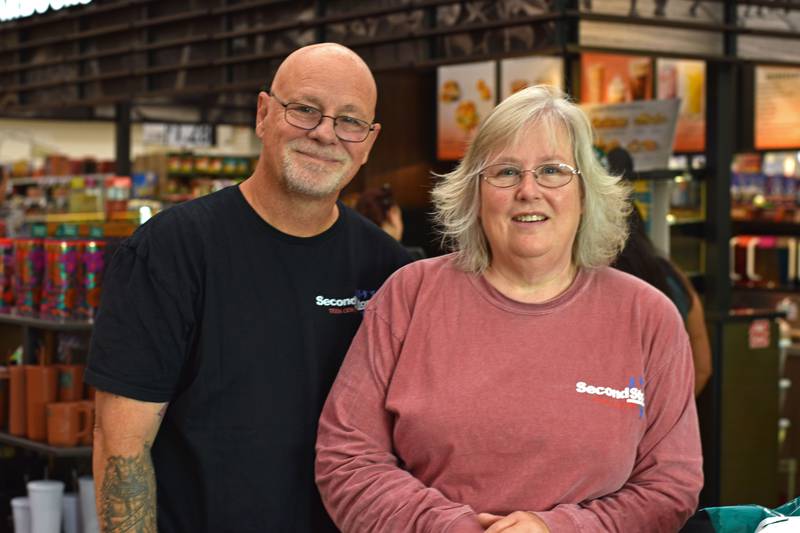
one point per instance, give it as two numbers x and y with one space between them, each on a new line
300 179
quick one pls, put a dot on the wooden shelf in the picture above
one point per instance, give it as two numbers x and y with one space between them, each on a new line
45 323
43 448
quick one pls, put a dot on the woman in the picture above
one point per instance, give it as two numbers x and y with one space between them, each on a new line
518 384
378 205
641 259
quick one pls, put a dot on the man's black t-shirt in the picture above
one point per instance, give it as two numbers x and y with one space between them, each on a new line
241 328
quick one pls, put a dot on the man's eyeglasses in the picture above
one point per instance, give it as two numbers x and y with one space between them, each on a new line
549 175
306 117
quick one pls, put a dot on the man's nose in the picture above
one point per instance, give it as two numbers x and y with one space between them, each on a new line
325 131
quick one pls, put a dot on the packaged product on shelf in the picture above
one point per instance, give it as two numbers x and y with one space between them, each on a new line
93 266
6 274
144 185
201 164
61 285
174 163
57 165
28 272
118 191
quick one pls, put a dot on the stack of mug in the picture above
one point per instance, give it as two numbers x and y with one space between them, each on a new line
47 509
47 404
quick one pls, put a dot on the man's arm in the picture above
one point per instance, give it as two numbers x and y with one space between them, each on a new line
125 482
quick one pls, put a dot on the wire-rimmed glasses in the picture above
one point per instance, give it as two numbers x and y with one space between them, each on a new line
306 117
549 175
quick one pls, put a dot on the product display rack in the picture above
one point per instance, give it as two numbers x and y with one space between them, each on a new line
49 327
45 323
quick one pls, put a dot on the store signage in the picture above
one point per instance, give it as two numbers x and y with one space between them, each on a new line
466 93
17 9
777 103
645 128
178 135
758 334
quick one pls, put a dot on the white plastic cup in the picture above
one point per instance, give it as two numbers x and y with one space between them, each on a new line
45 499
88 509
71 513
22 514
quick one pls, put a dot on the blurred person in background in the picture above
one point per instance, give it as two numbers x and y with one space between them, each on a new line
640 258
378 205
518 384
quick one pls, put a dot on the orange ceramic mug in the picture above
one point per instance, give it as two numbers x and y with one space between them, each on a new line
87 440
3 396
68 423
17 421
70 383
41 388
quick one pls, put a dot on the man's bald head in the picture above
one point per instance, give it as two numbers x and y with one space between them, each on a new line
333 56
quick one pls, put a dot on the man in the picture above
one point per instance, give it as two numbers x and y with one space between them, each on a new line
224 321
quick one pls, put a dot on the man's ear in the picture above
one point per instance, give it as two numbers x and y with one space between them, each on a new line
373 135
261 113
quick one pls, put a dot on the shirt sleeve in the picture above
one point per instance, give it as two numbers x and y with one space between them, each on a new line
144 326
361 482
662 491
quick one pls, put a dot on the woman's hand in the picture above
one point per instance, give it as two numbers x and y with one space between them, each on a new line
516 522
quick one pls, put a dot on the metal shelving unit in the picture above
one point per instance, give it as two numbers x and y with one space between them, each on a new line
44 448
45 323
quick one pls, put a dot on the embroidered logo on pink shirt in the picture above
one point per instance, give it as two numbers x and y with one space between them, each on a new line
630 394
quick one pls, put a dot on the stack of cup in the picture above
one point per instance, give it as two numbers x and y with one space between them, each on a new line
71 513
46 503
88 509
22 514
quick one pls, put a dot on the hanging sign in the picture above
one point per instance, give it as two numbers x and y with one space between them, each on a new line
178 135
465 95
646 129
17 9
777 103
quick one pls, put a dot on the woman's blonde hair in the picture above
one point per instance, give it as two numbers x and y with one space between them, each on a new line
603 227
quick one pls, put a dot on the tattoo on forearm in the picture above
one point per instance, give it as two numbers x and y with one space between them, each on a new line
129 494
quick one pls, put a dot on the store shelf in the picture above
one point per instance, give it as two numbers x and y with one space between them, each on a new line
46 323
778 288
95 216
54 180
658 175
686 221
765 227
46 449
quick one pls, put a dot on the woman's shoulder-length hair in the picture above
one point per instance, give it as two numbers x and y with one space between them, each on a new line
456 197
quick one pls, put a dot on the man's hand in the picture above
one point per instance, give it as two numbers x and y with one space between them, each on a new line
516 522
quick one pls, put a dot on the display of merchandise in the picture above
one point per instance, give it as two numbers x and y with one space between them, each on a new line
766 187
764 261
52 278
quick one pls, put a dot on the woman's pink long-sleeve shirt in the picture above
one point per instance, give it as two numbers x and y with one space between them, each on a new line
455 400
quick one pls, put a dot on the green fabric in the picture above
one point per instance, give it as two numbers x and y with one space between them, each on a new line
745 518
